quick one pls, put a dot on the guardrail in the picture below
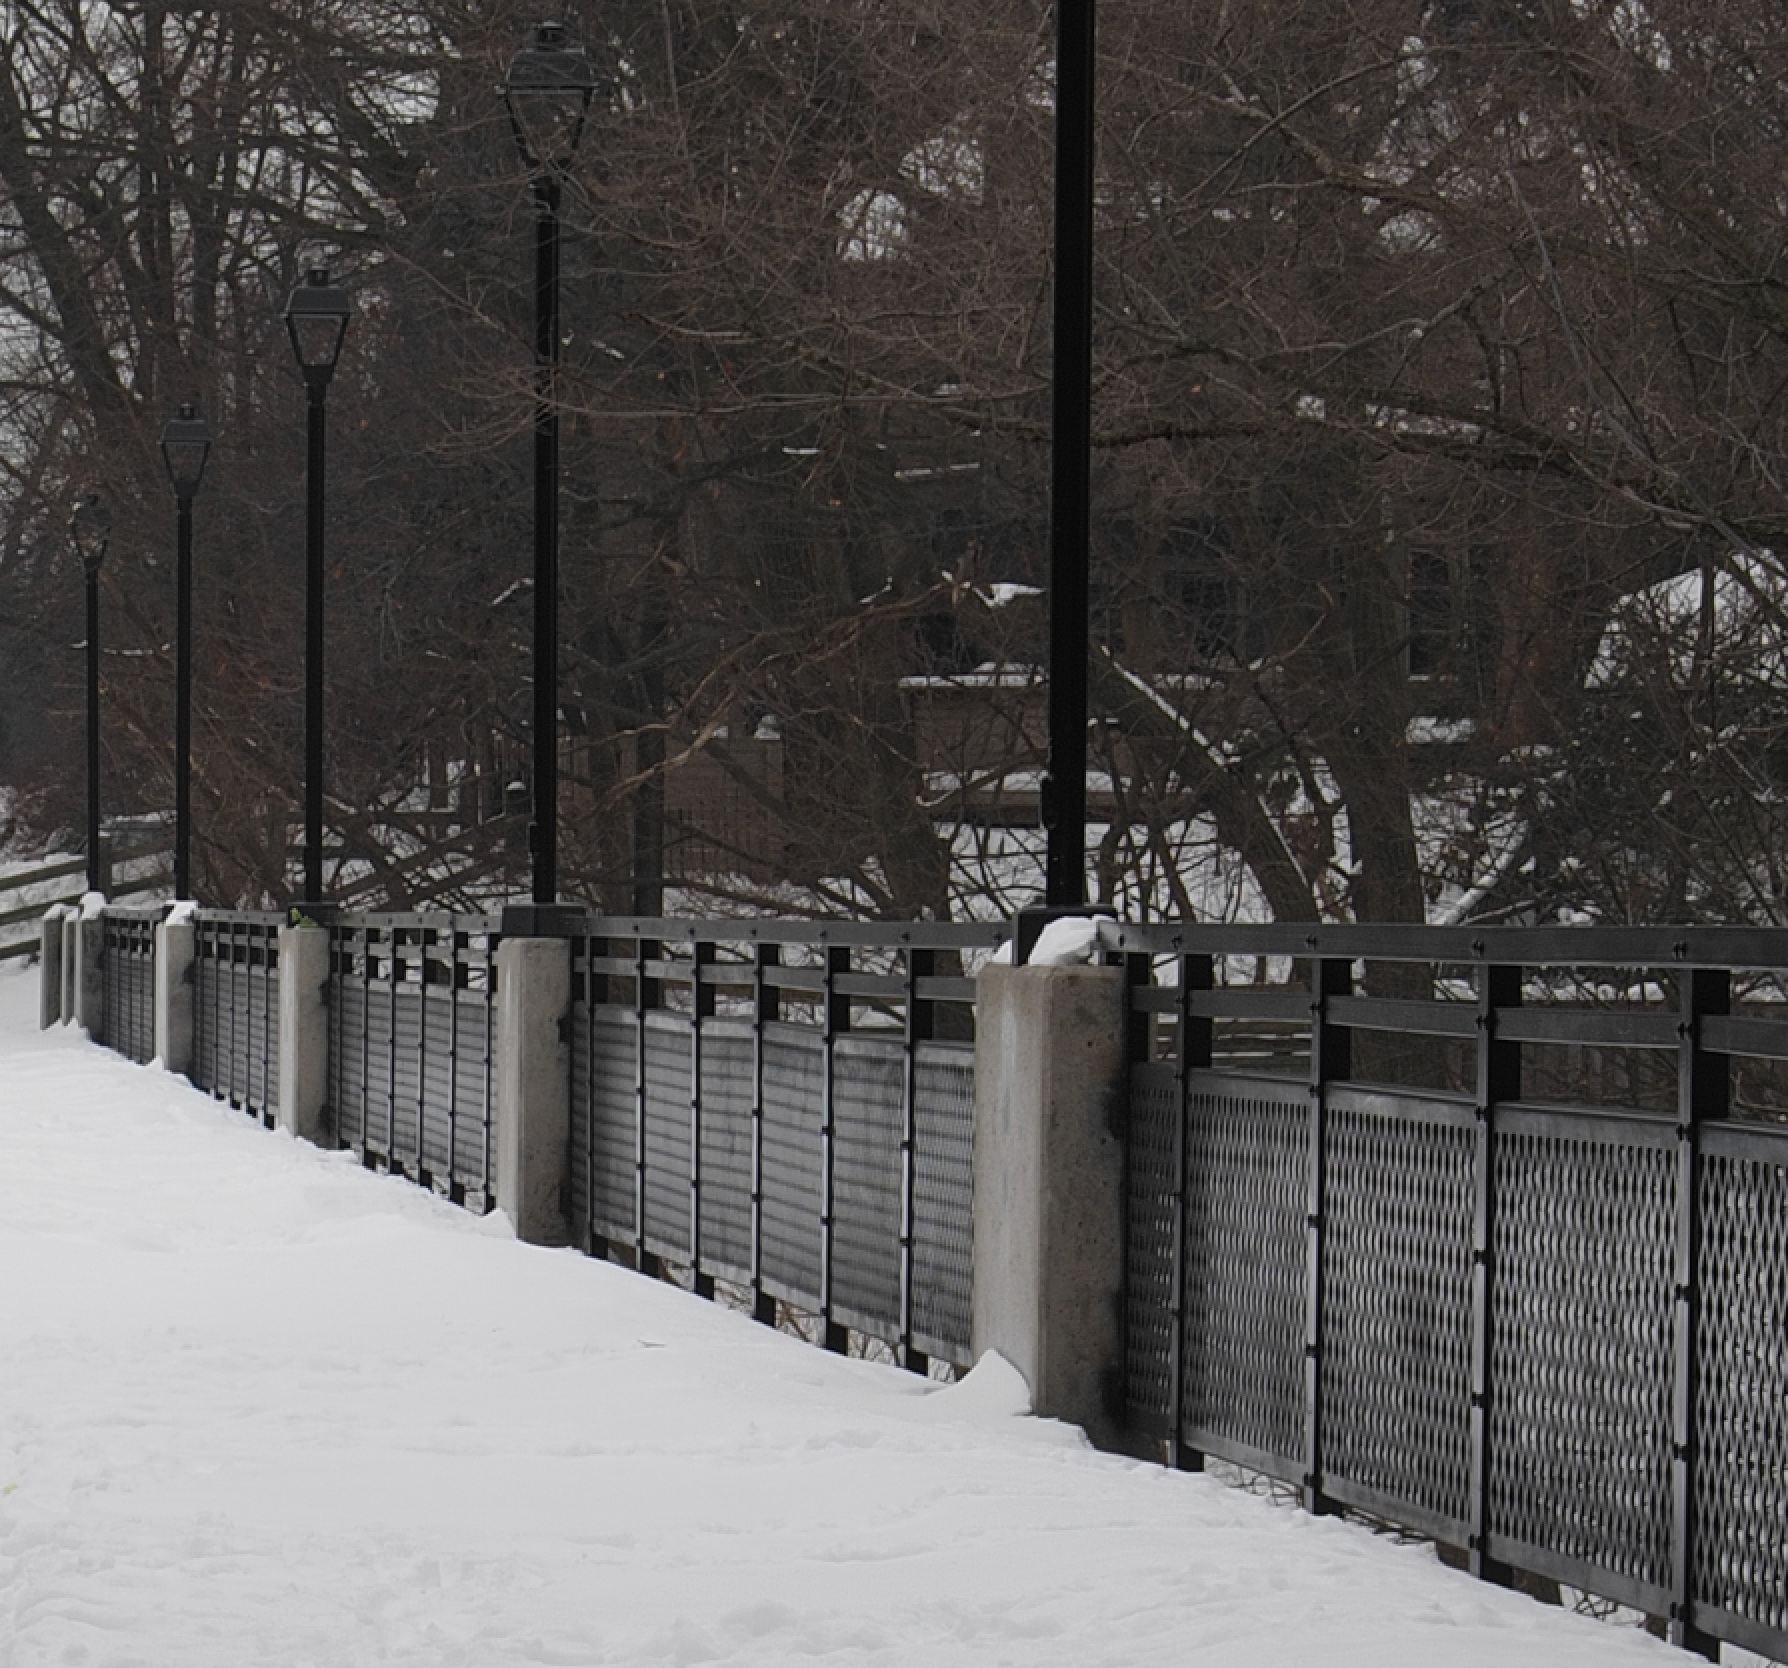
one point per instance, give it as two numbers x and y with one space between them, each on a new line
1501 1266
129 972
786 1106
235 978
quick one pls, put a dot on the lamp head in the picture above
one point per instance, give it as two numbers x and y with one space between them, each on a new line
185 445
91 528
547 92
317 320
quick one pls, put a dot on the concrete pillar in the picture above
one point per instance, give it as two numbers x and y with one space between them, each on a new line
533 1114
49 968
174 949
90 970
70 923
1050 1085
304 1034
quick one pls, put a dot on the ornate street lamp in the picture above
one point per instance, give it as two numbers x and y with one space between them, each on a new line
90 527
185 447
317 321
548 93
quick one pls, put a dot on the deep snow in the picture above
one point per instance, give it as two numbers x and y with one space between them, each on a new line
260 1408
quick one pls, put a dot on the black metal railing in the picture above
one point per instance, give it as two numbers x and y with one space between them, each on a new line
412 1047
235 1019
788 1107
129 973
1506 1264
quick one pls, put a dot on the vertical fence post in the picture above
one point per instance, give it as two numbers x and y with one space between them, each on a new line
1331 1059
303 1093
174 949
534 1086
1703 1091
921 1023
1197 1039
766 1009
90 967
835 1020
701 1007
49 988
1498 1079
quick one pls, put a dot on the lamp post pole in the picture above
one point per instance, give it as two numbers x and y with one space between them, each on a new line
547 93
90 526
1070 515
316 320
185 445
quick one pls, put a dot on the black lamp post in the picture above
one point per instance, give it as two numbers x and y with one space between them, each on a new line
547 92
90 526
185 445
316 320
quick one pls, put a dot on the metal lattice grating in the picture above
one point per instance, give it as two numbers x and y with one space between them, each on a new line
943 1198
1245 1269
794 1068
1151 1265
728 1059
130 985
1582 1329
1396 1363
669 1088
868 1119
1741 1550
613 1104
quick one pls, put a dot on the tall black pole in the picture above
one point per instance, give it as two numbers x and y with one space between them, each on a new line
1064 786
183 697
95 879
543 836
315 441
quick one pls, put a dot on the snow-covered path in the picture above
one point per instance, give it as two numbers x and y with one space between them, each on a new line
259 1408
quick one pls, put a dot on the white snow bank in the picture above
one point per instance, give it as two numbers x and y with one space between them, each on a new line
260 1407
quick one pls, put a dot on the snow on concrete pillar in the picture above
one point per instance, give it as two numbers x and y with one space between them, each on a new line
1050 1082
89 969
304 1034
49 968
174 949
533 1114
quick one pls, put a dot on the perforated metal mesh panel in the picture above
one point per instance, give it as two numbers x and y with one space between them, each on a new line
729 1054
668 1088
794 1067
130 985
1396 1365
868 1129
236 1010
1741 1429
943 1198
1151 1262
613 1134
1581 1342
1245 1276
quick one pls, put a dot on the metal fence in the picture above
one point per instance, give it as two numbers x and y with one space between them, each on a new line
1504 1265
235 1022
129 964
788 1107
412 1047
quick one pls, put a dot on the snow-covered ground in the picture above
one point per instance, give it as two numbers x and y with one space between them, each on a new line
262 1409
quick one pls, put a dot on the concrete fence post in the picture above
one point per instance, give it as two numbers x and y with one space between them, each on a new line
70 925
49 967
1050 1077
174 951
304 1034
534 1086
90 967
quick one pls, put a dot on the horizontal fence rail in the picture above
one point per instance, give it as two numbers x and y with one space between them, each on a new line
129 970
235 1022
1505 1263
412 1047
788 1107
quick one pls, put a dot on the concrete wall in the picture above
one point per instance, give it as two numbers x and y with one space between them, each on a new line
1050 1074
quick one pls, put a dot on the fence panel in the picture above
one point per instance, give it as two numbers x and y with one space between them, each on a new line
777 1104
235 1054
412 1044
129 965
1551 1332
